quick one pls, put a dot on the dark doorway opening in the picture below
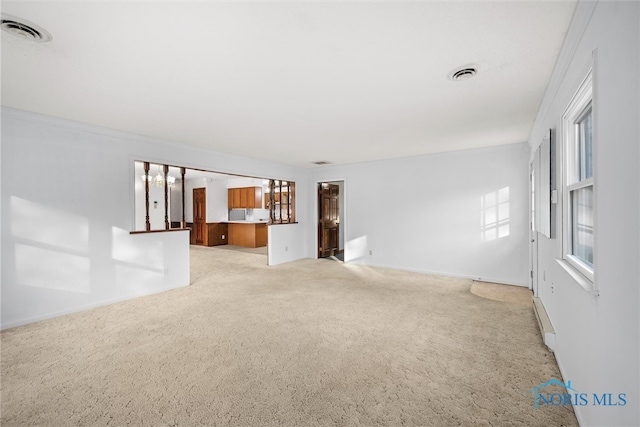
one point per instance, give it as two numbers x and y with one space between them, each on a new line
329 221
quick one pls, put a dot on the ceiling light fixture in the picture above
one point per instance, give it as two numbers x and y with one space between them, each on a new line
24 29
158 180
463 73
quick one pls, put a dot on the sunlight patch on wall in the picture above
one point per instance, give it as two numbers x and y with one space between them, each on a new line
138 281
140 261
52 247
494 215
45 225
51 269
356 248
147 253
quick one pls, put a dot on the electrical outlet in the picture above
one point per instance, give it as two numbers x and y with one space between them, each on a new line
370 252
286 248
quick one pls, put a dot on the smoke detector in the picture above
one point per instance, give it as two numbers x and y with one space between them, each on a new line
463 73
24 29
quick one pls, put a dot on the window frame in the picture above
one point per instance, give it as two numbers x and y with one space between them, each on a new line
576 111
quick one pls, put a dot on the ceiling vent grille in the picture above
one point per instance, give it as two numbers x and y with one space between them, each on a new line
24 29
463 73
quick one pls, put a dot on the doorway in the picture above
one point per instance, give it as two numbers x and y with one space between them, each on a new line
199 216
330 225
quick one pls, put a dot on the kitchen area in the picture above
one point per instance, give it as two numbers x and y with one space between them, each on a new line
218 209
226 211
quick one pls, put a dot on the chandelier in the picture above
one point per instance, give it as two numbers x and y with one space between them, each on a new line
158 180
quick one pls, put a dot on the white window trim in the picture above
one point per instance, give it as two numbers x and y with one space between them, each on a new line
581 272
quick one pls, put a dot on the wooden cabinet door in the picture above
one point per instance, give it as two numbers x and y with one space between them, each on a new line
244 198
257 197
217 233
233 195
236 198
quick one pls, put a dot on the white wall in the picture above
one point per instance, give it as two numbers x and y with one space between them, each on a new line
597 338
244 182
424 213
286 241
65 238
217 201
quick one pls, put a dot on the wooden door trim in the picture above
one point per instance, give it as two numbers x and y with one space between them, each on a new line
328 219
200 227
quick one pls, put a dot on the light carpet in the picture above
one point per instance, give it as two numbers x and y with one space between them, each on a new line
302 344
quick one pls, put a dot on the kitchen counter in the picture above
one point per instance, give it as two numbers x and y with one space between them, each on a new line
250 234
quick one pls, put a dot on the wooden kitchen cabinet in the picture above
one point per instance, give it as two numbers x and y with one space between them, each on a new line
245 198
214 234
233 198
217 233
254 197
249 235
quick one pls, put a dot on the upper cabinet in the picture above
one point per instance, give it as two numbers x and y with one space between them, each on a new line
245 198
234 198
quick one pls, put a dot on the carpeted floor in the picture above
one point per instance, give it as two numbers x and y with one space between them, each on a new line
302 344
262 250
505 293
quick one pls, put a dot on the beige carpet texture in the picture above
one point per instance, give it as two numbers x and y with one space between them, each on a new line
308 343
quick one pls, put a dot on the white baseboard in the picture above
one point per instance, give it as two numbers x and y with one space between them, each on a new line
546 329
498 280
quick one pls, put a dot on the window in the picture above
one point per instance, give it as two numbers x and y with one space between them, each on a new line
578 194
281 202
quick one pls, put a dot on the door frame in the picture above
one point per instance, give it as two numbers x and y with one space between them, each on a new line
533 234
343 209
204 238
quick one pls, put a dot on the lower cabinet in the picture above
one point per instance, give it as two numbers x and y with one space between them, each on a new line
248 235
222 233
217 233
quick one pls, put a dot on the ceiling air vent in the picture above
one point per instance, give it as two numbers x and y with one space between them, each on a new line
464 73
321 162
24 29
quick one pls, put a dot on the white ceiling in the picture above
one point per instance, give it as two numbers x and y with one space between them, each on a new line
292 82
